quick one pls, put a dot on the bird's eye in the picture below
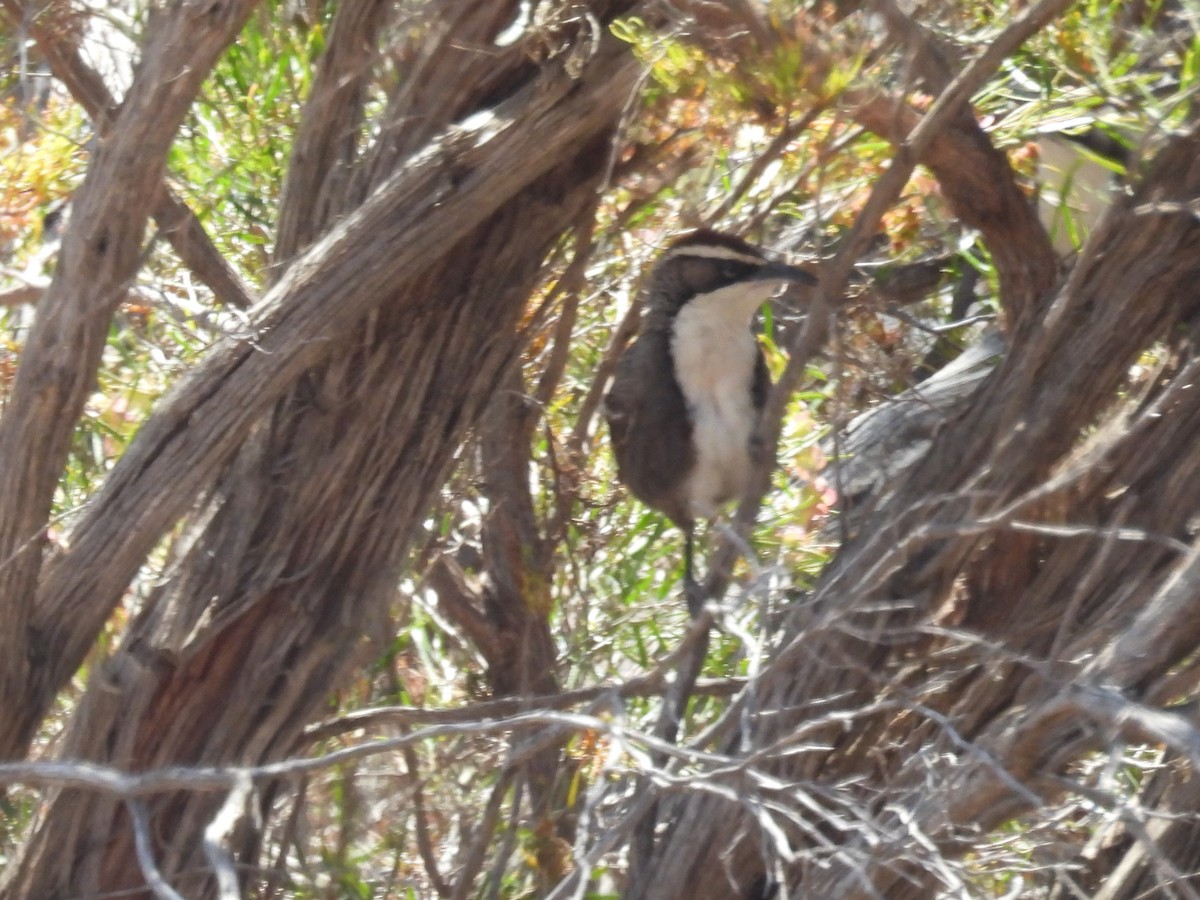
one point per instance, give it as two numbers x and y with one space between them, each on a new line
730 270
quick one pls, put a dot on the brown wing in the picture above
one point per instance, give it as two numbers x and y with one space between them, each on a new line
650 427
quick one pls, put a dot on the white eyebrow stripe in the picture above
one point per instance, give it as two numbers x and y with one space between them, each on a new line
711 251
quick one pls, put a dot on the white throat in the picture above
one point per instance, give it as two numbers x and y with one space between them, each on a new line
715 355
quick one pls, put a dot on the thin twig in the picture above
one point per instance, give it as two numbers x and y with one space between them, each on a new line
649 685
787 134
690 655
484 831
218 830
144 846
424 843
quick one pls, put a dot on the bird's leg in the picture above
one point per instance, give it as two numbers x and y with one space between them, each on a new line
693 593
679 692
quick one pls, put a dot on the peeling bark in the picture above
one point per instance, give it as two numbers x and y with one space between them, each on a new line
1011 462
101 251
327 431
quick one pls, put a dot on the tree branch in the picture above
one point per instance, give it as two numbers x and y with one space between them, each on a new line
176 221
403 231
100 256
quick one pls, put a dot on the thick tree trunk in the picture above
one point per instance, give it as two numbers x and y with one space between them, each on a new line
100 255
279 585
400 238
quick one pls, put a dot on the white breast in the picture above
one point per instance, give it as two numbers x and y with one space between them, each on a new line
715 355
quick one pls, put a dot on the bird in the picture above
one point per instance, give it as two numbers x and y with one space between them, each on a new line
686 398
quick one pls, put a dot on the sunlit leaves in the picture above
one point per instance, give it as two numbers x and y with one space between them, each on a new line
42 158
232 152
701 146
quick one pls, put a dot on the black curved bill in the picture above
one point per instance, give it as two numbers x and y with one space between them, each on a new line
777 271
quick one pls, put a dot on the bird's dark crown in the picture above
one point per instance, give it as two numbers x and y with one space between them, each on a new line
706 237
698 263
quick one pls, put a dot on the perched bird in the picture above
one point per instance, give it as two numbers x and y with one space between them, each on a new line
684 407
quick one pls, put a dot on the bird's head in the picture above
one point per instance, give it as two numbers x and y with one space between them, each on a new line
718 269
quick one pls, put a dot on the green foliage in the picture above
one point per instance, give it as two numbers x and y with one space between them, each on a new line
232 152
696 146
41 161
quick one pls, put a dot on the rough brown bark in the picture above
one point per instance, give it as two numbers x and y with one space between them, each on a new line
327 142
517 598
342 429
1028 711
393 242
100 254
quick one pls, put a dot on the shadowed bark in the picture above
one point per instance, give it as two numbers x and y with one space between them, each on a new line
297 552
1018 595
1024 532
101 252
